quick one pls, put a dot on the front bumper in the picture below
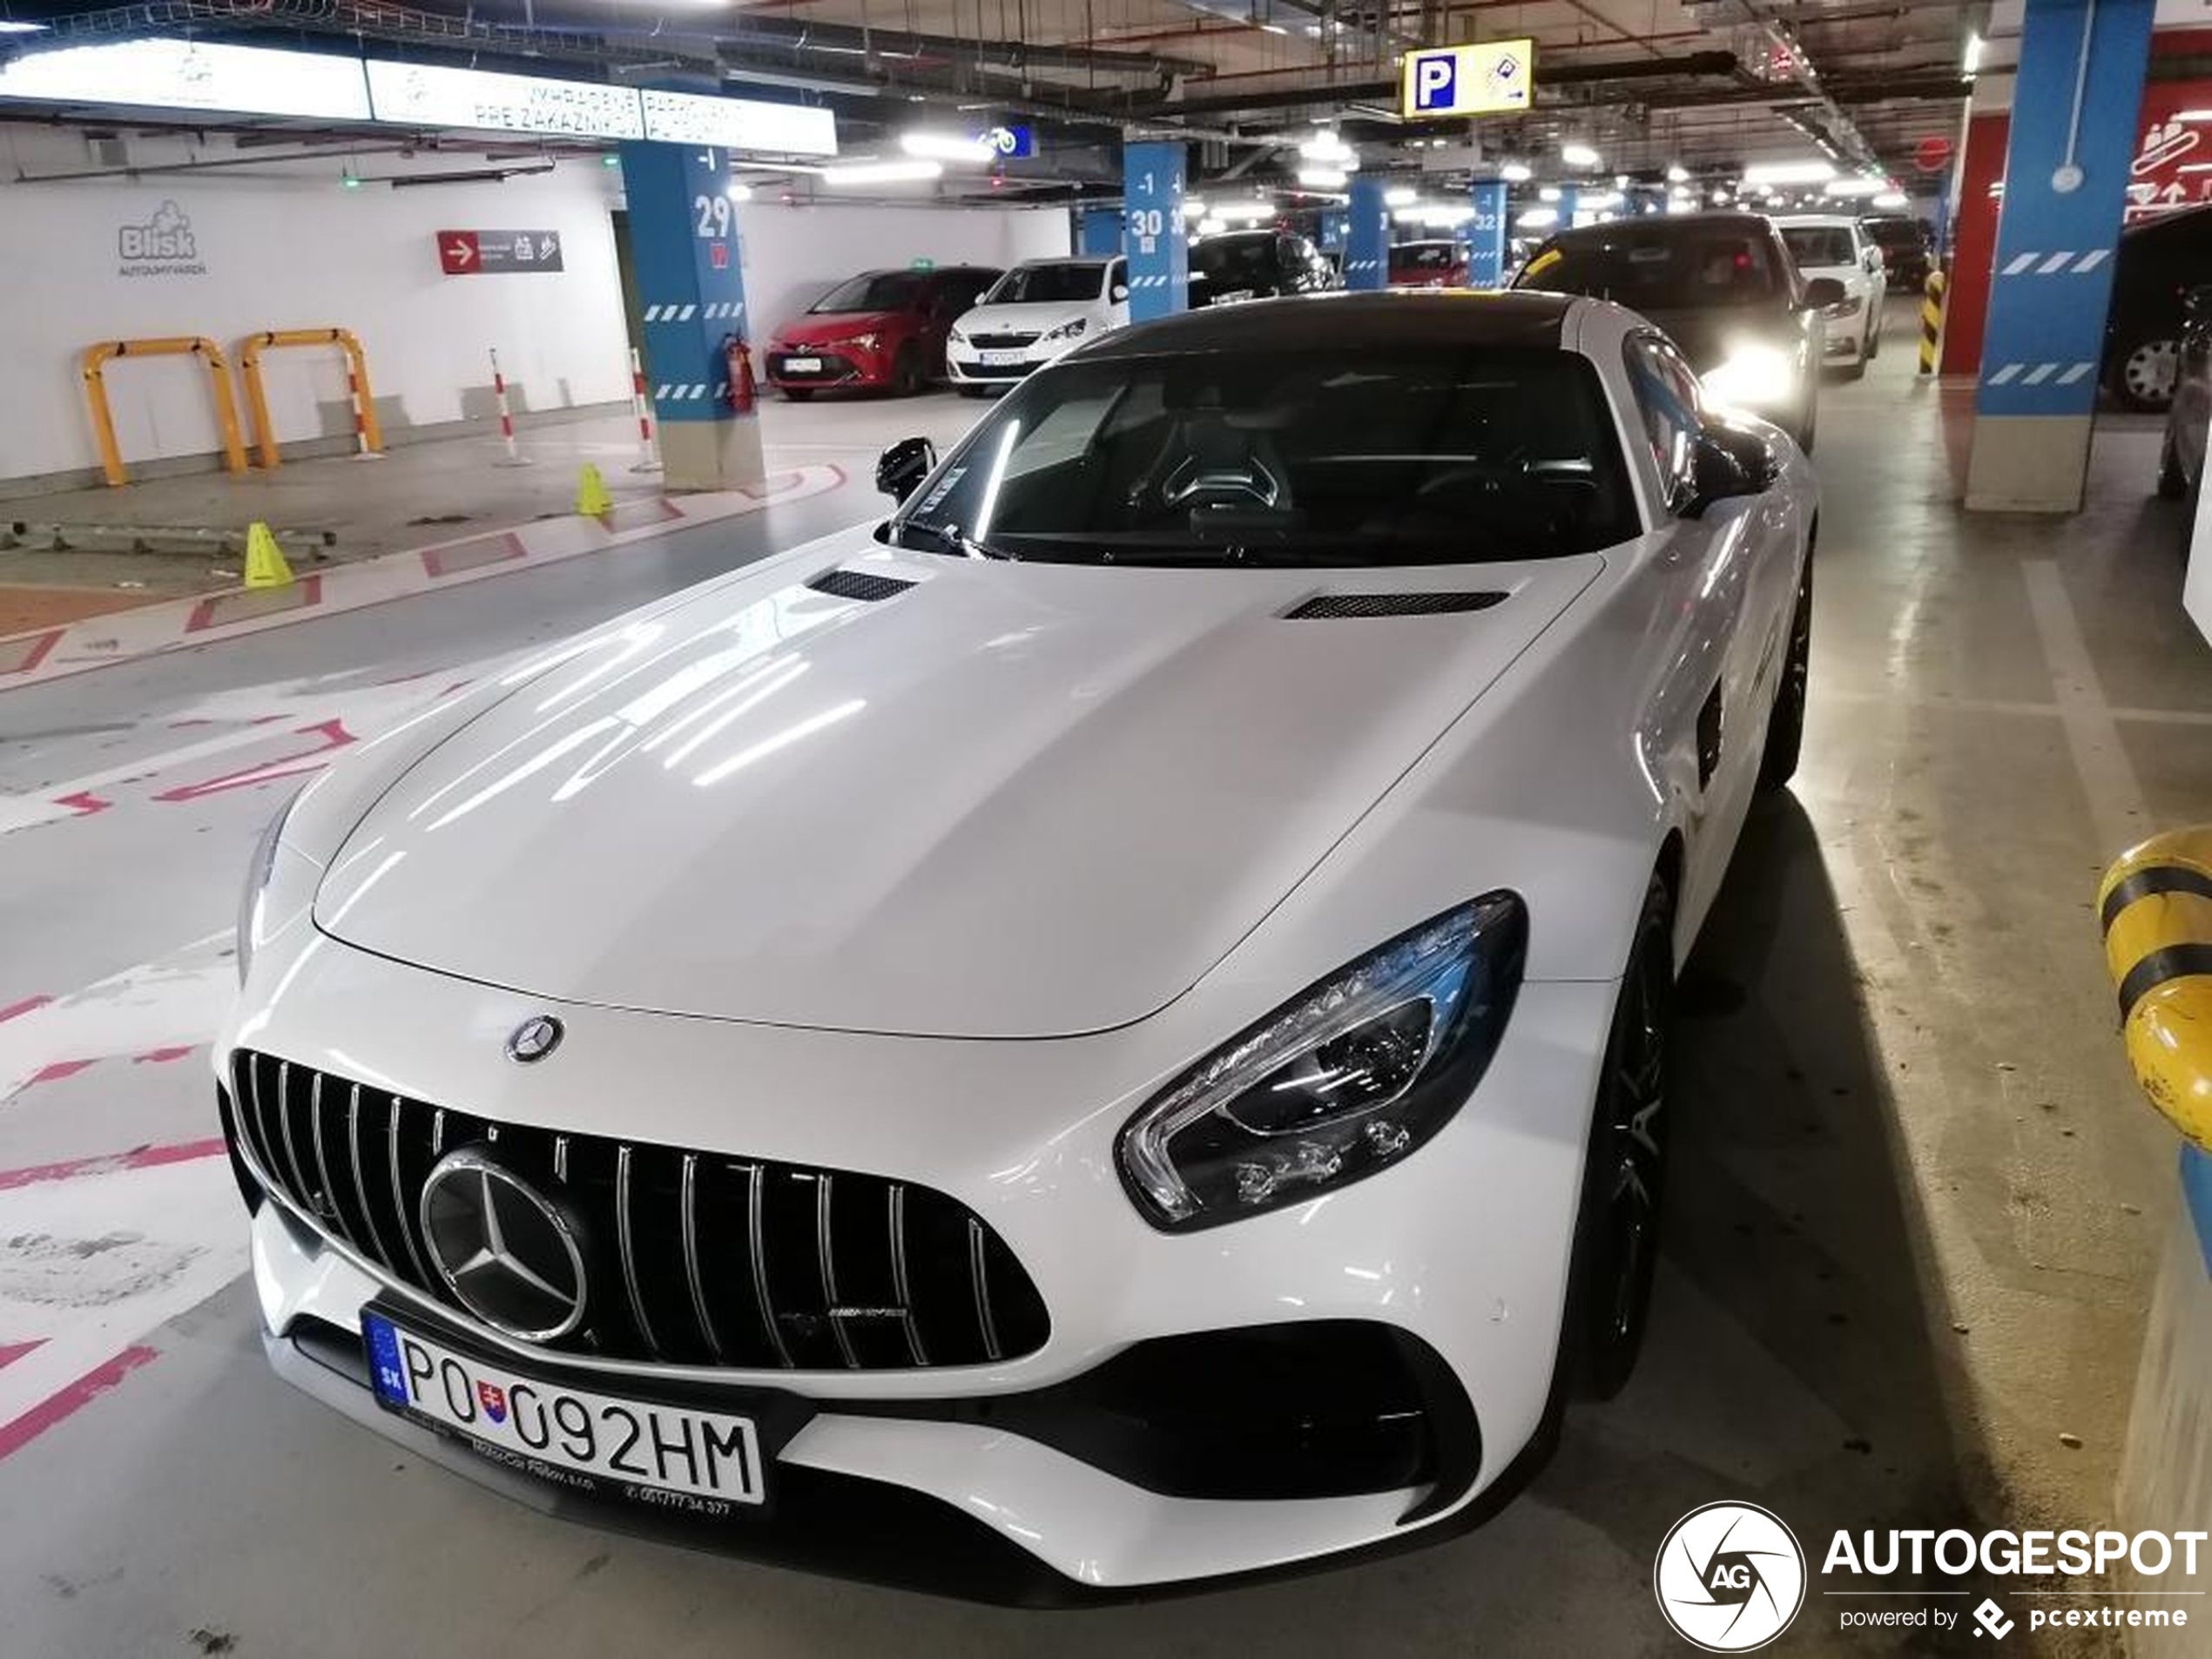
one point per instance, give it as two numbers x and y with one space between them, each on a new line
1456 1257
834 367
965 361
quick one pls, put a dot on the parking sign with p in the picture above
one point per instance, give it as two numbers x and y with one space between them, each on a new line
1433 77
1485 79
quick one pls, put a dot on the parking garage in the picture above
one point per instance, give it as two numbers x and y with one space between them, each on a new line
826 831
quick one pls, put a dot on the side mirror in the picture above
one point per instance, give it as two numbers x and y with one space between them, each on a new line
1121 291
1728 462
903 465
1823 292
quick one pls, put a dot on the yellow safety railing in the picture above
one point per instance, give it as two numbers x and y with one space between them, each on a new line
97 359
366 433
2156 904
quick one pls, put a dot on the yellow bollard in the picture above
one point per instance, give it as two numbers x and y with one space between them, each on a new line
2156 904
1930 320
592 500
264 565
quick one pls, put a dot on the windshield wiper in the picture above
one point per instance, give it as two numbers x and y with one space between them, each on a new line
949 538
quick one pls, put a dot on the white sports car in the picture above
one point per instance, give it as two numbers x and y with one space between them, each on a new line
1110 1030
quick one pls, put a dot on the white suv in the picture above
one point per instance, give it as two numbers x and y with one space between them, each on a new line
1835 244
1036 311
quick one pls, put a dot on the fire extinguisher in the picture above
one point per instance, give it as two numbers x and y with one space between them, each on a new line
745 391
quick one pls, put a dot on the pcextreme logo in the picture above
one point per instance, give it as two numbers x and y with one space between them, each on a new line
1730 1577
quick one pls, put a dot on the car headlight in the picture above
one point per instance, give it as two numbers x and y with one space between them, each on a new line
957 336
865 342
1066 331
1753 377
257 881
1846 308
1344 1080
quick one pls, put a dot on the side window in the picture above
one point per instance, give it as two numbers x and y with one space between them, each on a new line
1116 276
1667 398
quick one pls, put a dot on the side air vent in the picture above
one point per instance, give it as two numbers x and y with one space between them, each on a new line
859 584
1330 606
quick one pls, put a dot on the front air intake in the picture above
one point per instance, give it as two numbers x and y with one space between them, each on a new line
1330 607
859 584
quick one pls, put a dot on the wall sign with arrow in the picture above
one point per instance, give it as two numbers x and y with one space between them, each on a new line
498 253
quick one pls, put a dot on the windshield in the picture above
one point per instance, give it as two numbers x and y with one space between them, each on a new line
1396 455
1423 256
1232 259
1040 284
872 291
1660 268
1813 246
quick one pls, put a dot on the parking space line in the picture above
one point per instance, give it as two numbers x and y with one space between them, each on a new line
2117 810
71 1398
138 1158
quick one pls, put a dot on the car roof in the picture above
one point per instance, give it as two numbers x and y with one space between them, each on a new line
1818 221
1409 317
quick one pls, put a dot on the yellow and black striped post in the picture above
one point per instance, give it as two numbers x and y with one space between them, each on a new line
2156 904
1930 319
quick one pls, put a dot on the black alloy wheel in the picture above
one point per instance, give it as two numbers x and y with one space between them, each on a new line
1785 726
1624 1181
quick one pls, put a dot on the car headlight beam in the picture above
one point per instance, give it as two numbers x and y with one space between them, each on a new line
1753 377
1343 1081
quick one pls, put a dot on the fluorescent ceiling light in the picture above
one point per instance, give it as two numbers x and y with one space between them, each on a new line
9 26
1273 29
1515 172
1247 212
1891 199
1599 202
1972 63
1323 177
738 191
1676 173
1193 208
1619 181
1855 186
883 172
946 146
1549 193
1400 196
1213 226
1788 173
1326 149
1536 219
1578 155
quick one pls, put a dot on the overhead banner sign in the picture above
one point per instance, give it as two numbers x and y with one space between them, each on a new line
191 75
494 253
739 124
1009 142
430 95
1492 79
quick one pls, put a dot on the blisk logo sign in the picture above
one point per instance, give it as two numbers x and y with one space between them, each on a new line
1730 1577
1435 80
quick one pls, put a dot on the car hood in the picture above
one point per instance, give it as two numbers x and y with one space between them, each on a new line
836 325
1007 801
1035 317
1708 334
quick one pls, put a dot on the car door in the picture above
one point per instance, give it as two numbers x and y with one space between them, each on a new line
1734 647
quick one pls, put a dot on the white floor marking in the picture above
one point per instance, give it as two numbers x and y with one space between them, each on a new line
174 1000
2116 806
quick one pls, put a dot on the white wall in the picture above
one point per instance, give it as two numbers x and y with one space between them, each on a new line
288 247
793 255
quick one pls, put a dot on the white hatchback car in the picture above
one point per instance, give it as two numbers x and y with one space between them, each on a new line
1032 314
1835 244
1110 1028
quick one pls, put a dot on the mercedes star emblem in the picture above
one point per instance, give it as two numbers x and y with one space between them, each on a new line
533 1039
505 1250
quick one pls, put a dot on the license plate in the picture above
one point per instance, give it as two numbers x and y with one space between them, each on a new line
802 365
668 1456
1001 359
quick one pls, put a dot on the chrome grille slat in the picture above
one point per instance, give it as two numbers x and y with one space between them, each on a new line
757 1243
623 1244
979 1273
691 1223
706 1259
361 1184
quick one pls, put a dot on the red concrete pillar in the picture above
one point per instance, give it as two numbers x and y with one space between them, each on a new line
1973 247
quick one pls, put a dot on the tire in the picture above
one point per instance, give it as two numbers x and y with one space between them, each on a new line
906 374
2173 483
974 391
2143 372
1873 347
1785 723
1616 1230
1856 371
798 394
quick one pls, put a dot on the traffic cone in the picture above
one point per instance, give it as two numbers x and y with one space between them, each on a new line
264 565
591 498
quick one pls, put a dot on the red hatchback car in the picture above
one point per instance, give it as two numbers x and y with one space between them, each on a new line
881 329
1439 264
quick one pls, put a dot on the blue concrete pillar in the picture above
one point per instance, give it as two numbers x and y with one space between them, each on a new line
1569 198
1367 258
1486 234
690 286
1099 233
2066 176
1159 252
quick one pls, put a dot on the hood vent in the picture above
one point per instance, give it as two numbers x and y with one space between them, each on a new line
859 584
1330 606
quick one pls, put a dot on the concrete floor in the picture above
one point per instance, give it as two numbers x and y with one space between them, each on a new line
1916 1197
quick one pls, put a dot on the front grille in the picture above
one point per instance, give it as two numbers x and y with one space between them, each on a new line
1332 606
694 1258
980 371
1002 342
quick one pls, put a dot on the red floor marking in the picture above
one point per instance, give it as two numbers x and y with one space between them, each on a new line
58 1071
138 1158
333 734
30 655
11 1352
66 1401
23 1007
160 1056
221 609
84 802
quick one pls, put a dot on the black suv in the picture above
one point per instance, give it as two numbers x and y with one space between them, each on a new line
1257 265
1724 287
2158 263
1907 252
